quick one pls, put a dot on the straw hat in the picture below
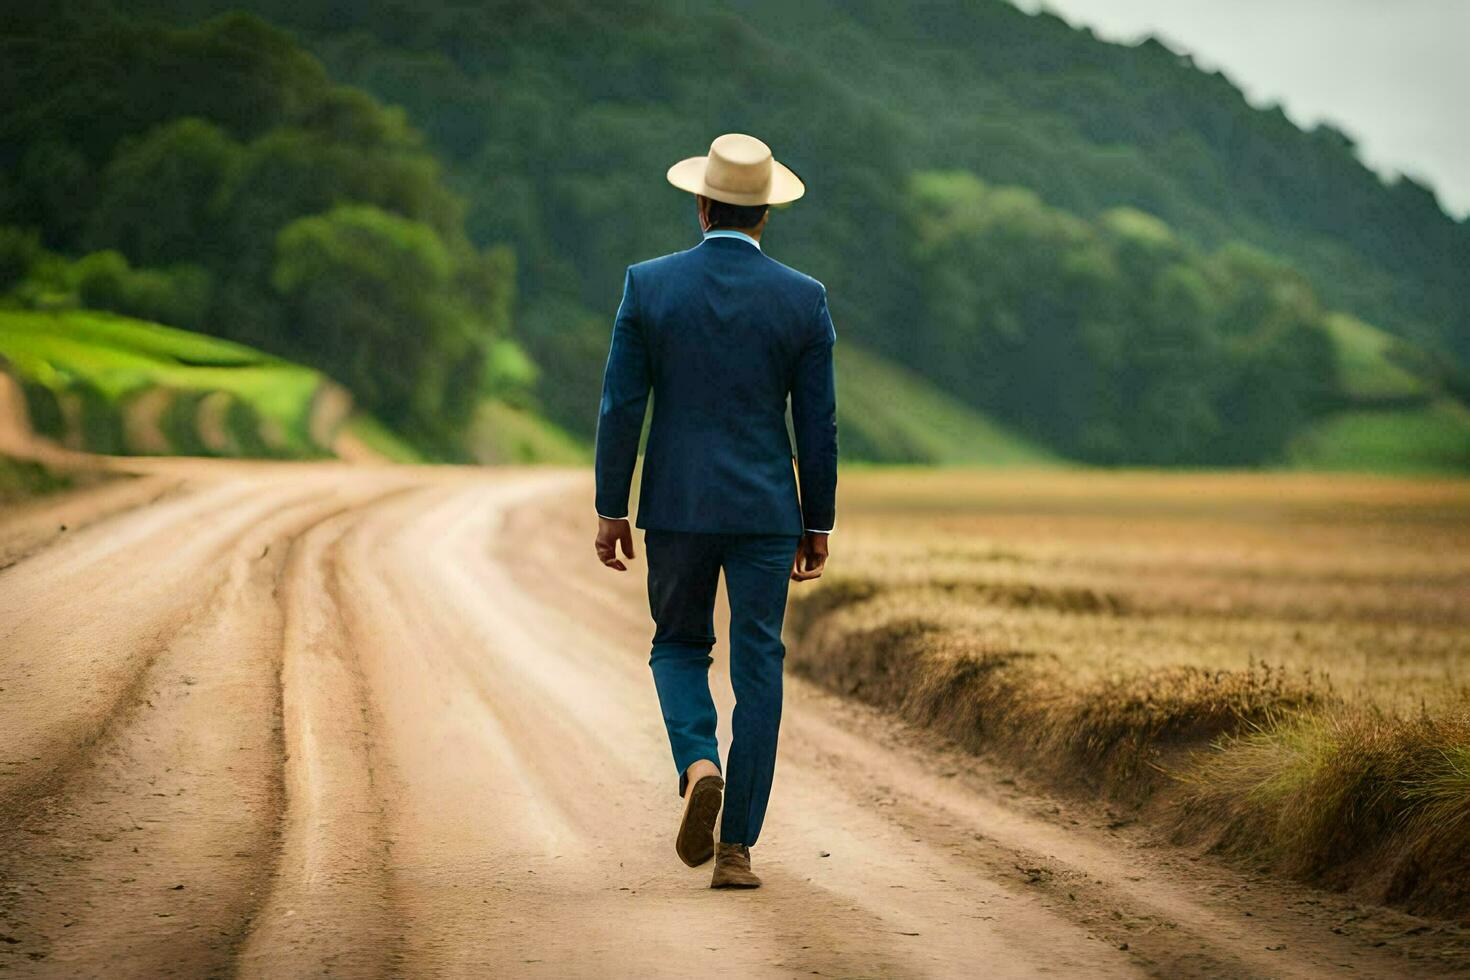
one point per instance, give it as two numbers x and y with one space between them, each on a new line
738 170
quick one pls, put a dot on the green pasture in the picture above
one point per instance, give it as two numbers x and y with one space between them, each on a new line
1365 364
1429 439
886 413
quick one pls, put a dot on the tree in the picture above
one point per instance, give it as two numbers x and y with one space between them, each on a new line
1115 340
372 299
163 192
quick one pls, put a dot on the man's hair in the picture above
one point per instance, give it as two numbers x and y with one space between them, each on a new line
722 215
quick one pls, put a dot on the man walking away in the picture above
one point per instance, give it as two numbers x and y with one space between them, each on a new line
723 335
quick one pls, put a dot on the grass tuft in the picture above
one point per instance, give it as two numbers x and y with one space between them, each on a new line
1335 796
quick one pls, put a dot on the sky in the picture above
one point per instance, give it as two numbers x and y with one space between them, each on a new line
1392 74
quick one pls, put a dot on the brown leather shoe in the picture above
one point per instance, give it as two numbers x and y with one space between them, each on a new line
732 867
696 841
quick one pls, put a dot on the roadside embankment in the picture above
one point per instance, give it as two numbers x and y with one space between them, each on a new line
1263 764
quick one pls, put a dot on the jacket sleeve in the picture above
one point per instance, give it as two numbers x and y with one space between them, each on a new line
625 385
814 420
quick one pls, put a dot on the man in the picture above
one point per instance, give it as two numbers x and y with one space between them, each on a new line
723 336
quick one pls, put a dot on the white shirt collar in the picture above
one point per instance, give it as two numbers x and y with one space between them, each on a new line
728 233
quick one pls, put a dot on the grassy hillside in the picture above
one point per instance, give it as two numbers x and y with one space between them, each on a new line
503 433
888 414
1430 438
1367 369
217 180
1394 418
111 384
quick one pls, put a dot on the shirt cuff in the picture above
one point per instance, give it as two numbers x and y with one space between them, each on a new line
606 518
812 530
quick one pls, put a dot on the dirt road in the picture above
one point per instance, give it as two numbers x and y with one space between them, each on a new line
284 720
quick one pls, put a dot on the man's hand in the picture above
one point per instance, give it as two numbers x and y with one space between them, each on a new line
811 557
609 534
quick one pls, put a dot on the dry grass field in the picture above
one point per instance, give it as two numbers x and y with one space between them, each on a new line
1275 665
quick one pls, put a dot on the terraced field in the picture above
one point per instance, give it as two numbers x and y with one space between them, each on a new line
109 384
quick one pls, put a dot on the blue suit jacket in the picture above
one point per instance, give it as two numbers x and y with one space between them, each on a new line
722 335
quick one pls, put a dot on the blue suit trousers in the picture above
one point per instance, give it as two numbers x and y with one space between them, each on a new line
683 575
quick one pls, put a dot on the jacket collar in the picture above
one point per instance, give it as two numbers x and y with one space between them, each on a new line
727 233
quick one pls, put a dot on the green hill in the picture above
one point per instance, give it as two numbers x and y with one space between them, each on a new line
887 414
1430 439
1367 367
111 384
1394 415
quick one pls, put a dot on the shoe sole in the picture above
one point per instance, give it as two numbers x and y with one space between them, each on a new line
696 841
735 884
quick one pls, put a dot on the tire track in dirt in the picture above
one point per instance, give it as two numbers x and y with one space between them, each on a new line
329 909
555 714
34 525
152 842
144 843
76 660
84 621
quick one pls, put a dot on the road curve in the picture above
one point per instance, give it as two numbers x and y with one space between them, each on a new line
276 720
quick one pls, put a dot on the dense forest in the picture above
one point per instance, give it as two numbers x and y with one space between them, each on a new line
216 179
1100 246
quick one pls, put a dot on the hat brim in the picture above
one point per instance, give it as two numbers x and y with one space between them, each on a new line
688 175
